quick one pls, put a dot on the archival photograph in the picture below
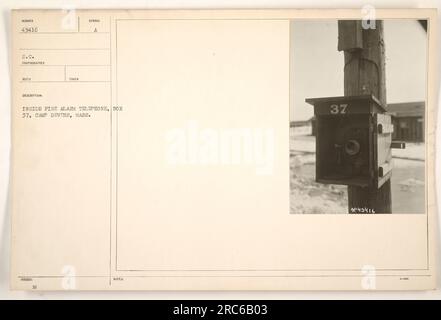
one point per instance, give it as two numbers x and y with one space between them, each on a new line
357 116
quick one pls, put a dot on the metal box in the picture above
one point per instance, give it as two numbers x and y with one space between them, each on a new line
353 141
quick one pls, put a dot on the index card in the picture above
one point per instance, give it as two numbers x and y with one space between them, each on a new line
162 150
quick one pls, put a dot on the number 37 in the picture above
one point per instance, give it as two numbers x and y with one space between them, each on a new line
338 108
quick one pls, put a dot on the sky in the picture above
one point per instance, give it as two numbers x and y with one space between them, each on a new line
317 66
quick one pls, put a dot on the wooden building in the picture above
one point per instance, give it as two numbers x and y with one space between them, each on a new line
408 121
303 127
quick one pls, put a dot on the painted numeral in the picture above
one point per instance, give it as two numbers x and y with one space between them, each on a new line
338 108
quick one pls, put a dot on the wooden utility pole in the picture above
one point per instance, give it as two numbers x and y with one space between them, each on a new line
364 73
